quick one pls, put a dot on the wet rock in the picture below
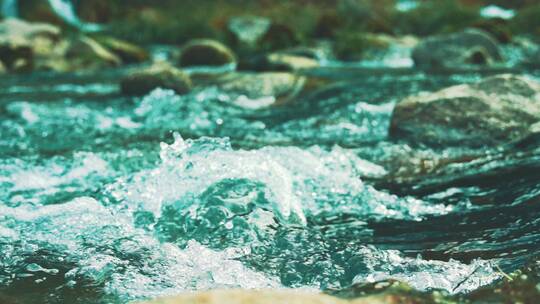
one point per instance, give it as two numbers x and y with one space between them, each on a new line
159 75
259 90
205 52
85 52
495 110
128 52
470 47
266 297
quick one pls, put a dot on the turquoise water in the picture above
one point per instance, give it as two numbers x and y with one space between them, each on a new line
105 198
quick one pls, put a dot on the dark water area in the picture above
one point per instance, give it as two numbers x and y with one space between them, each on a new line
105 198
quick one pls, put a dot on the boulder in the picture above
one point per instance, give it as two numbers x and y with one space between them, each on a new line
159 75
267 297
128 52
205 52
470 47
496 110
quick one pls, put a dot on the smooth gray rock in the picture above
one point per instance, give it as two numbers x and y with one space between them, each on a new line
496 110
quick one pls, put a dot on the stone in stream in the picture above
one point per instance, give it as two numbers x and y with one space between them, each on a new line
496 110
159 75
205 52
260 90
470 47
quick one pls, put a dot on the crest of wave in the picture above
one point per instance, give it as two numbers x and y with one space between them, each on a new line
297 183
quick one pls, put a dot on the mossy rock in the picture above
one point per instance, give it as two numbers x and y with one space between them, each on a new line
205 52
159 75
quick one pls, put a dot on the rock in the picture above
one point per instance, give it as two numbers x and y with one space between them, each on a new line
2 68
85 52
159 75
128 52
205 52
470 47
259 90
496 110
266 297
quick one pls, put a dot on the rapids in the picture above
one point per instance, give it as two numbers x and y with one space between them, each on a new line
101 201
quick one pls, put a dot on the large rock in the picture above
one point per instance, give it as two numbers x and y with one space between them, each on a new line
470 47
205 52
268 297
495 110
159 75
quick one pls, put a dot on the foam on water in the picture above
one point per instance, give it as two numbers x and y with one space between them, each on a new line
101 248
129 224
209 216
297 183
452 276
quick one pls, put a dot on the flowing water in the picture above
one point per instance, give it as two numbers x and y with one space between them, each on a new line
105 198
